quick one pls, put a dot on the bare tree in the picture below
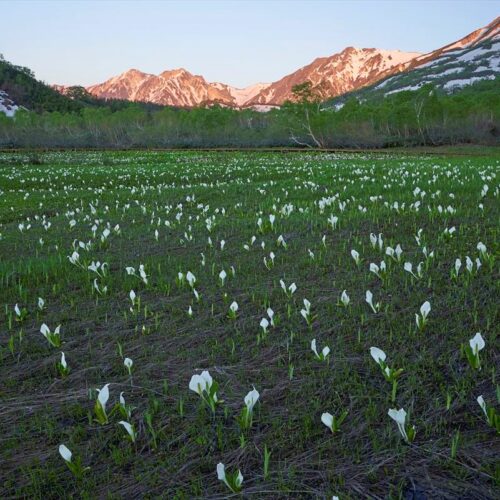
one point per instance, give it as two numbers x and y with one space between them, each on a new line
308 98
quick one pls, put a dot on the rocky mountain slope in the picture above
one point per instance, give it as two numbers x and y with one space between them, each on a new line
330 76
471 59
173 88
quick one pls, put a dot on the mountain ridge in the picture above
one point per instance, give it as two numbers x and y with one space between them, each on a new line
330 76
179 87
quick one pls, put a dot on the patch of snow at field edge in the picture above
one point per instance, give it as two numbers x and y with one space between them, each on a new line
6 105
481 68
454 84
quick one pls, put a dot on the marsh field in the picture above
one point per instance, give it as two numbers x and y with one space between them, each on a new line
341 287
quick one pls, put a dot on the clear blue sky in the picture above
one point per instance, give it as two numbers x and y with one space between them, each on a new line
237 42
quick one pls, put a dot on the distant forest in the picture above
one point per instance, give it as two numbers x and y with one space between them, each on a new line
408 118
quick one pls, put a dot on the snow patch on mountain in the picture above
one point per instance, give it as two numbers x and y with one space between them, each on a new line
242 96
408 87
454 84
479 52
494 63
446 72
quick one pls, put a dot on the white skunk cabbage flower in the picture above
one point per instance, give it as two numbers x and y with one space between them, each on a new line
232 481
201 383
65 453
377 354
355 256
127 362
130 430
324 353
327 419
399 416
477 343
251 398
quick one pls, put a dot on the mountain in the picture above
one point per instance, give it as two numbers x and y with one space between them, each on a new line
471 59
330 76
176 87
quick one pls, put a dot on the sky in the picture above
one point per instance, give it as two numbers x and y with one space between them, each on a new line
238 42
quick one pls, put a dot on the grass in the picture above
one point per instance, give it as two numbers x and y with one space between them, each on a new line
287 452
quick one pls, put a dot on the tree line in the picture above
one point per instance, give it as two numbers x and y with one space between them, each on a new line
408 118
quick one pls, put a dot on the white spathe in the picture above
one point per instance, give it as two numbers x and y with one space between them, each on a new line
251 398
327 419
477 343
65 453
201 383
377 354
103 396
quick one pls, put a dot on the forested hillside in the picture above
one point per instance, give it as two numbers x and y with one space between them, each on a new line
22 87
25 90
